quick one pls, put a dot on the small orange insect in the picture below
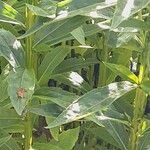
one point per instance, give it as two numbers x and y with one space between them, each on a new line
21 92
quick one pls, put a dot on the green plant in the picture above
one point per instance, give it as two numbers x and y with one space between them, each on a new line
74 74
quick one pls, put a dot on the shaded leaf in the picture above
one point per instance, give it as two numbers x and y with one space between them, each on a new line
74 64
115 128
55 95
74 80
50 62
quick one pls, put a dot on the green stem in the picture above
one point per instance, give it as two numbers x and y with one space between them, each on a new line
29 65
28 132
103 69
139 103
137 122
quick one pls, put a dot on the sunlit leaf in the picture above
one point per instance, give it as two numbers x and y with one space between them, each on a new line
74 80
9 14
127 8
11 49
122 71
62 28
21 90
97 99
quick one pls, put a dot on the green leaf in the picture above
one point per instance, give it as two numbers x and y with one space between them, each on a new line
46 110
125 9
3 89
145 85
74 80
55 95
50 62
122 71
11 49
66 141
3 140
115 128
22 89
84 7
93 101
9 14
47 146
74 64
10 143
58 29
144 143
79 35
116 40
45 8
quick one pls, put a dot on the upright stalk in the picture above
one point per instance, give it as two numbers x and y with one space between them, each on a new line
139 103
29 65
102 68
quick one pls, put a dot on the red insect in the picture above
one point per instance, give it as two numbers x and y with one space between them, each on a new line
21 93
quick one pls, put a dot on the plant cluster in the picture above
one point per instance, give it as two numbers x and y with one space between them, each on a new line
74 74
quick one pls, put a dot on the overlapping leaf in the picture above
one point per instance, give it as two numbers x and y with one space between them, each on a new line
11 49
9 14
50 62
127 8
97 99
20 89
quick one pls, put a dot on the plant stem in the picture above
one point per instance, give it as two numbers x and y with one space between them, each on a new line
29 65
28 131
102 68
140 102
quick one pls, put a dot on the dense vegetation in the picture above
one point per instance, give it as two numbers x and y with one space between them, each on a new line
74 74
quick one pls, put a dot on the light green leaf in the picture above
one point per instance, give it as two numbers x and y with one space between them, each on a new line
79 35
66 141
145 85
122 71
21 90
125 9
93 101
50 62
11 49
9 14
